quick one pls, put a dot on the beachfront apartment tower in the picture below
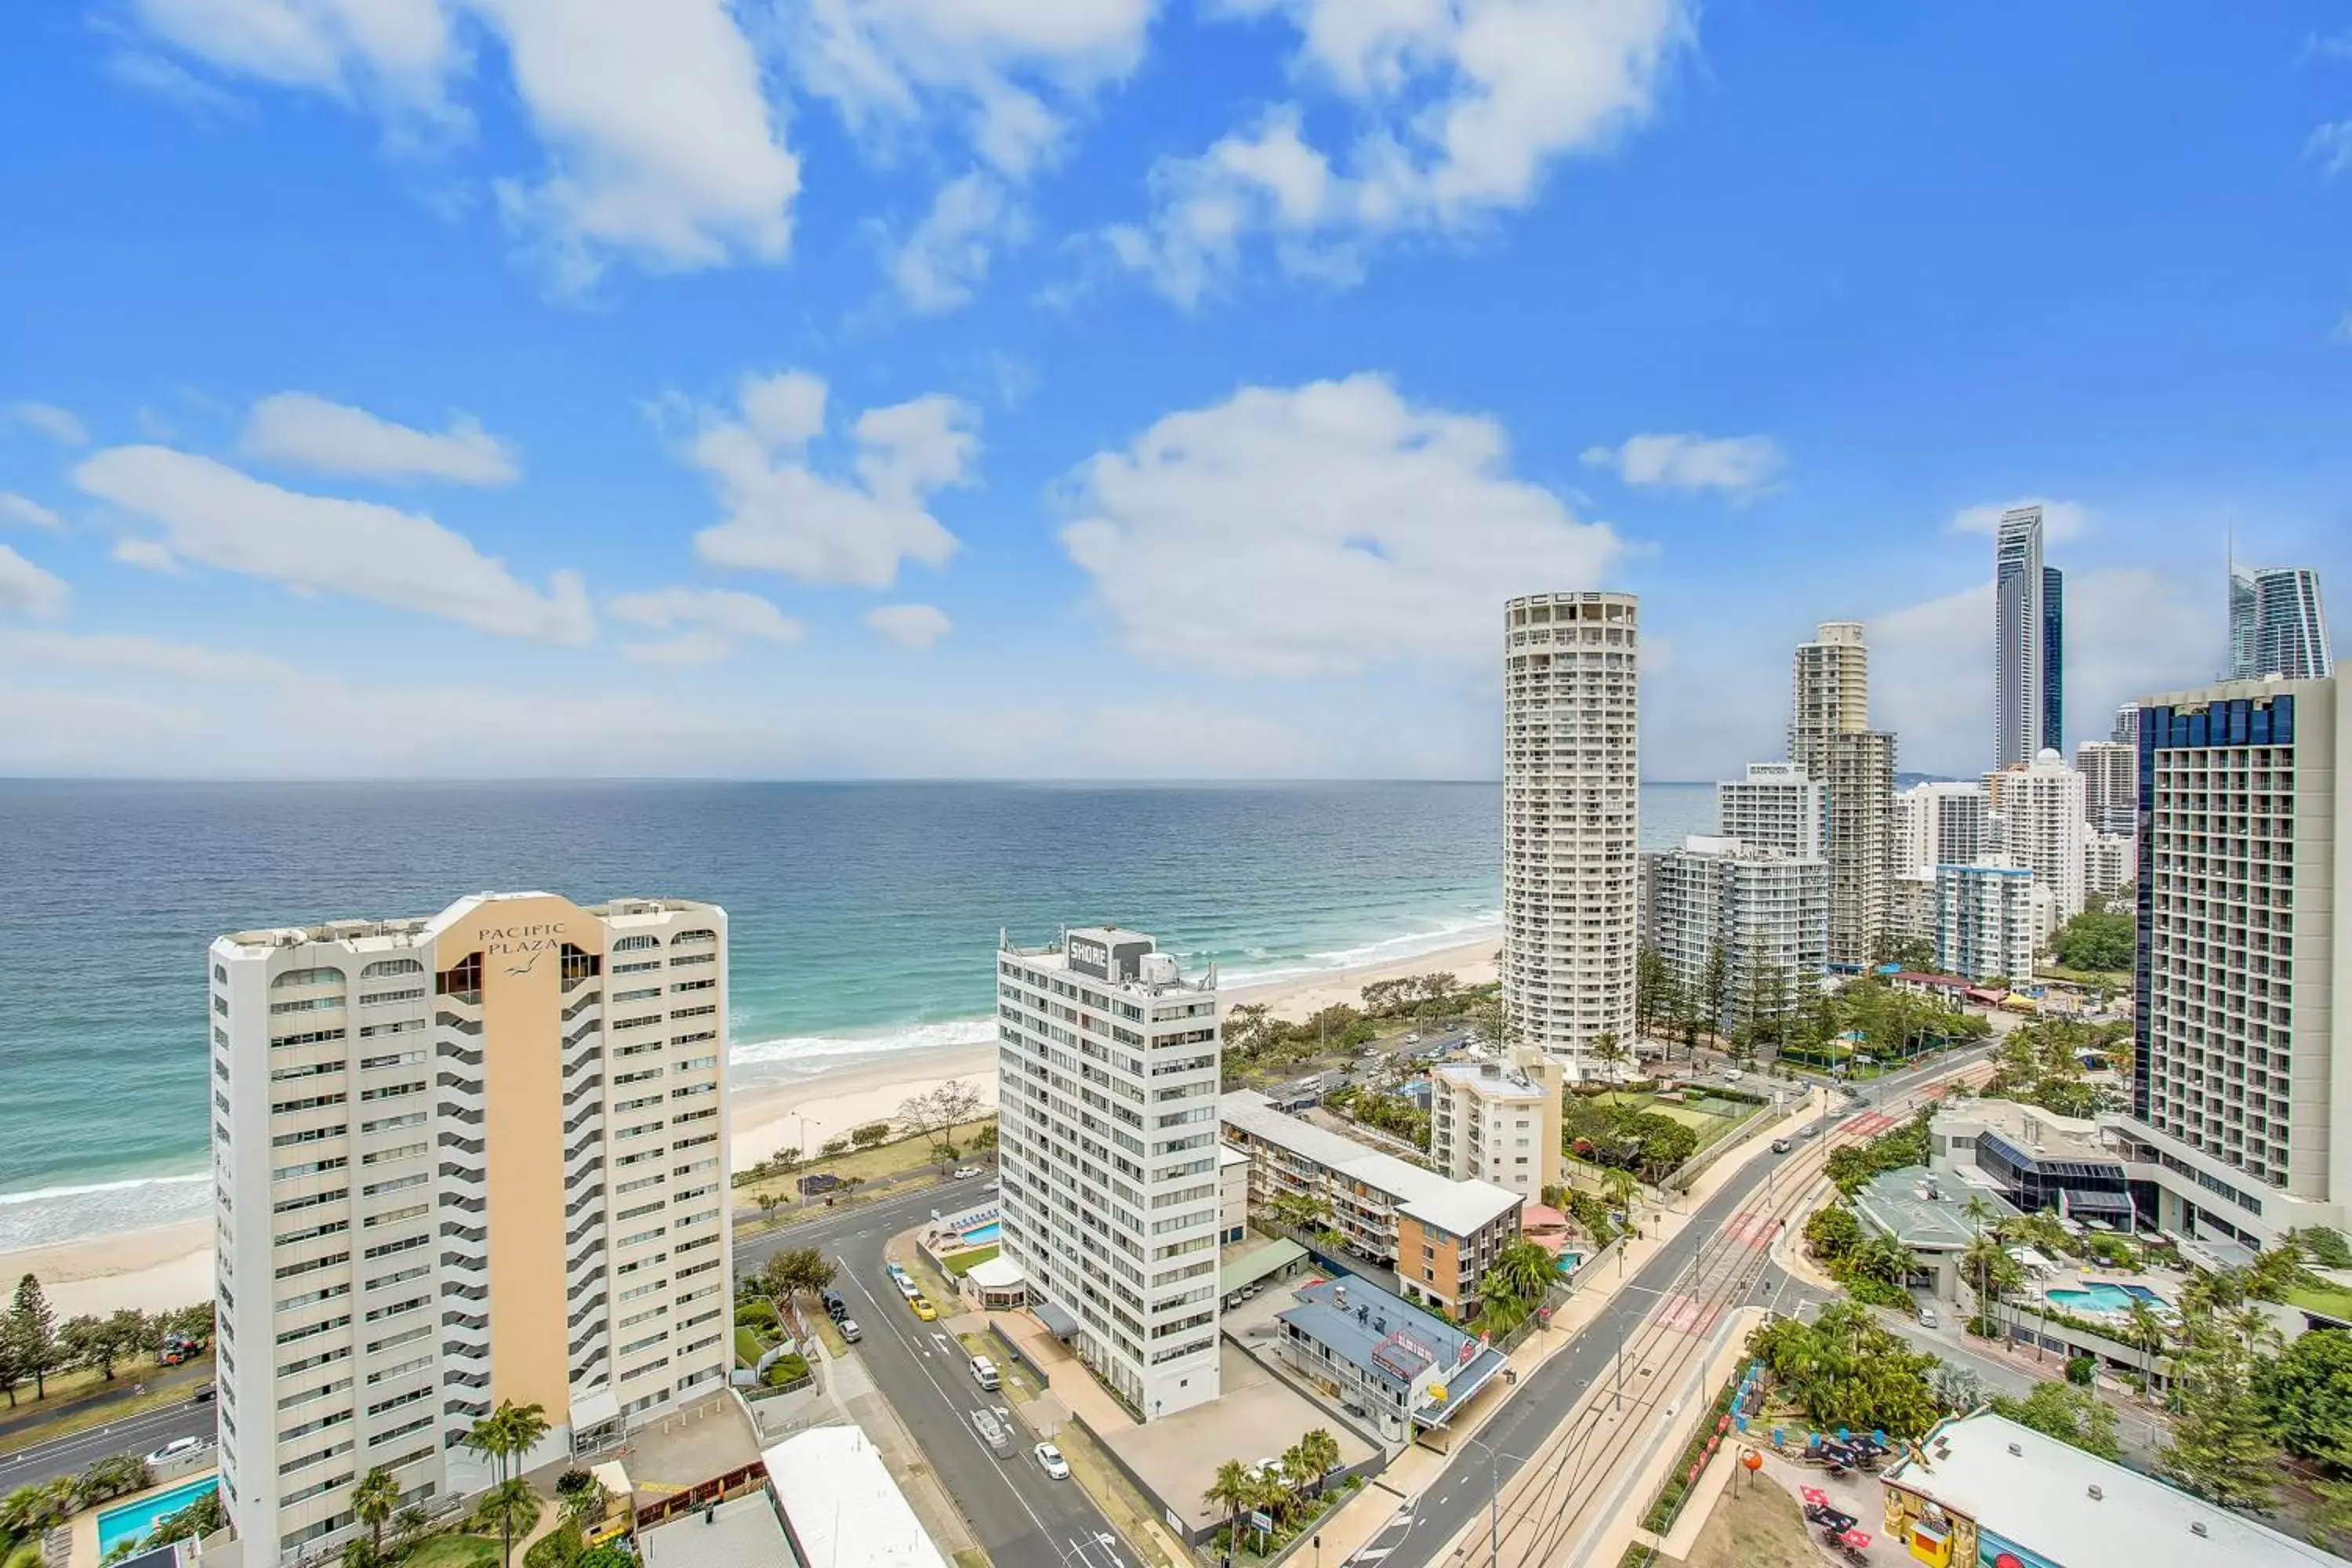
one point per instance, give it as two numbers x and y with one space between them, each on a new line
1986 922
2278 625
1829 693
2021 637
1763 911
1830 737
476 1157
1939 823
1107 1064
2110 771
2242 1053
1571 819
2043 826
1778 805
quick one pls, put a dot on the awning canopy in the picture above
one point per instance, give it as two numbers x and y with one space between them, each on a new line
594 1409
1058 1323
2098 1202
999 1273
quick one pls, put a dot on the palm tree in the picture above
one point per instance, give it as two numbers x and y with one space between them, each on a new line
1235 1489
1517 1279
1622 1188
511 1506
504 1436
1610 1051
2147 1332
372 1502
1322 1454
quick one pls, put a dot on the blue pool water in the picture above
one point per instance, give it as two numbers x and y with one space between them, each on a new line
986 1234
1567 1261
135 1519
2105 1297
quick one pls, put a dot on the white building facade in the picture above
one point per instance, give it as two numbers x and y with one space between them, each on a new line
2042 827
1986 923
1571 818
1107 1063
1778 805
1939 823
1766 912
2110 771
458 1161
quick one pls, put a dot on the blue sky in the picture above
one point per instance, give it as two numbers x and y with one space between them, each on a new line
1128 388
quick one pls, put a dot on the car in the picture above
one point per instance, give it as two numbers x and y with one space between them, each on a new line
924 1309
1413 1040
851 1331
1050 1460
984 1373
180 1449
894 1270
1781 1145
834 1306
992 1432
909 1288
1927 1319
1731 1075
1811 1132
966 1173
206 1394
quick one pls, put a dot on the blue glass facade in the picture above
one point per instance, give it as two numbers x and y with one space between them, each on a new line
2053 659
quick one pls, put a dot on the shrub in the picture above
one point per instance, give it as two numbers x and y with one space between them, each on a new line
788 1367
2081 1370
756 1314
867 1136
2326 1247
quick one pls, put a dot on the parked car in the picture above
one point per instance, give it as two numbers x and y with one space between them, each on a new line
1812 1131
1050 1460
823 1182
966 1173
1413 1040
984 1373
180 1449
834 1306
992 1432
924 1309
1731 1075
1781 1145
851 1331
206 1394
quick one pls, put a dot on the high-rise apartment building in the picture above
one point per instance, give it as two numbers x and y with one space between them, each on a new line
2108 864
1939 823
1861 781
1499 1121
2110 771
2042 828
2053 659
1985 922
2278 625
1571 818
1765 911
1778 805
1829 693
2240 1059
461 1159
2125 729
1108 1062
2020 637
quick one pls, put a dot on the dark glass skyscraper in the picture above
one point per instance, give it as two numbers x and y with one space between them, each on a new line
2053 659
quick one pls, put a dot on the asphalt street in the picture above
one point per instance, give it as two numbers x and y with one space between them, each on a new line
1024 1518
141 1434
1465 1488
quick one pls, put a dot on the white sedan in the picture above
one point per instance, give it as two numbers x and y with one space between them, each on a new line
1050 1460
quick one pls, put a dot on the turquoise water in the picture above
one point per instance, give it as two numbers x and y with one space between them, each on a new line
2104 1298
863 916
131 1522
983 1235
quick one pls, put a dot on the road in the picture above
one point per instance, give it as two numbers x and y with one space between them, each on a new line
1023 1517
141 1434
1545 1400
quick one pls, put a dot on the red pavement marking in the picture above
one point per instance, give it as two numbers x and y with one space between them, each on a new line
1686 1315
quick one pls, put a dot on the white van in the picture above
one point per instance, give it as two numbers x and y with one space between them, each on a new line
984 1373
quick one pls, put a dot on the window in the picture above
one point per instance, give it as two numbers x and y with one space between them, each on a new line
385 967
635 944
293 977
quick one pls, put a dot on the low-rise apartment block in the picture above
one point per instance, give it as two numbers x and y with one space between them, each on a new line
1497 1122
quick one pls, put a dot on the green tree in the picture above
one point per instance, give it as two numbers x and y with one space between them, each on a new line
2074 1416
1515 1282
504 1436
2220 1447
872 1133
510 1508
2095 941
1715 989
1832 1233
1610 1051
1235 1489
32 1330
2306 1395
373 1501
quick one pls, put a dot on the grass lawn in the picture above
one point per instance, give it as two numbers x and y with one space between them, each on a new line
748 1346
453 1552
75 1403
962 1263
883 1160
1709 1125
2334 1303
1761 1528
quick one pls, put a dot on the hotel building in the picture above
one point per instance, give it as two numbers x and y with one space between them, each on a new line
1572 810
2042 827
458 1161
1107 1063
1499 1121
1766 912
1985 922
1778 805
1830 737
2110 771
1939 823
2241 1062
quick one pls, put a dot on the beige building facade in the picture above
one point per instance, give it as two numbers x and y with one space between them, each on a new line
458 1161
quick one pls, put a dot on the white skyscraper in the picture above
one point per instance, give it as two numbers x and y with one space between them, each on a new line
2018 638
2278 625
2110 771
2126 731
1829 693
1107 1064
458 1161
2244 1038
1985 922
1778 805
2042 827
1765 910
1571 824
1939 823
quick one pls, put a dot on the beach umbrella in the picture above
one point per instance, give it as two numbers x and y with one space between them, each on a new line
1815 1496
1858 1539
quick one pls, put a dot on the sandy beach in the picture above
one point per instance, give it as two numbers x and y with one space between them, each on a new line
158 1269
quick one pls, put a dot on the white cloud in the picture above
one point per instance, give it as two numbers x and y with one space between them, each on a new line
2061 520
2332 145
148 554
784 516
59 424
131 654
1460 110
307 431
27 590
1689 462
212 513
661 145
708 621
1319 530
168 79
946 258
24 509
915 627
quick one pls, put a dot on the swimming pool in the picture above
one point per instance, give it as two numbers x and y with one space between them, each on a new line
985 1234
2102 1296
1567 1261
135 1519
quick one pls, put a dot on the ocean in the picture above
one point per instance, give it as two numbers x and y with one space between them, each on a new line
861 916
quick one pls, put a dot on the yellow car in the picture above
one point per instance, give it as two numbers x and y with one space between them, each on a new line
924 1309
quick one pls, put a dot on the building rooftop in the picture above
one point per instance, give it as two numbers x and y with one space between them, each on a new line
842 1507
373 935
2028 1129
2079 1510
1391 1338
1496 1081
1154 974
744 1534
1458 1208
1922 1208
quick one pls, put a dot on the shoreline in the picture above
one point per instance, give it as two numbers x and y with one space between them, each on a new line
164 1267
